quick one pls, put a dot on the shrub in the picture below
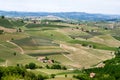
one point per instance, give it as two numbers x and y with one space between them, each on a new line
27 66
53 75
41 77
1 31
11 77
30 76
32 65
2 17
48 67
64 68
65 75
14 54
56 66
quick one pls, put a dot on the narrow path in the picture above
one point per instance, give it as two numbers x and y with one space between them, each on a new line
22 51
2 45
67 57
26 24
64 48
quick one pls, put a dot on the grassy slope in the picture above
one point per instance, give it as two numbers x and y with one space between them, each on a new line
11 23
7 53
6 23
94 44
17 23
76 33
61 58
85 57
15 36
106 40
50 34
60 74
118 38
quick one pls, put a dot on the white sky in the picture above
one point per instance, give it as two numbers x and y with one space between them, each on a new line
90 6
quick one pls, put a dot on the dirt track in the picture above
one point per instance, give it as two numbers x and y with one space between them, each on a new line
7 29
22 51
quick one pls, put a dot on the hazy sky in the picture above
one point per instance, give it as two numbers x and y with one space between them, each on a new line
90 6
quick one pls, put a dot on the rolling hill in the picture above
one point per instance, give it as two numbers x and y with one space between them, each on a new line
72 46
66 15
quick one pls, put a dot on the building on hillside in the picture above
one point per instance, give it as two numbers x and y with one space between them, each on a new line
92 75
44 60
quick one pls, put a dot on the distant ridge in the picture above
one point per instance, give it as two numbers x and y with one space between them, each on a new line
67 15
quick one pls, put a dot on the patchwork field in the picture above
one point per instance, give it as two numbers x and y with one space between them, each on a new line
74 46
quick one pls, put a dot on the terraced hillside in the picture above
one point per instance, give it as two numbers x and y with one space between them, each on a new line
71 45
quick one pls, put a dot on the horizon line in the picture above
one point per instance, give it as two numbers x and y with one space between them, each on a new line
57 12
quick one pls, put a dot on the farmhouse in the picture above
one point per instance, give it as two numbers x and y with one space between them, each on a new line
44 60
92 75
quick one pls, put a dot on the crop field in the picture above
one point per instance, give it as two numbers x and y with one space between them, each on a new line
51 34
35 41
43 53
44 25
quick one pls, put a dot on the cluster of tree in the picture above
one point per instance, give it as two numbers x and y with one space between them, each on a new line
111 70
19 73
2 17
117 53
19 30
32 66
56 66
53 66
